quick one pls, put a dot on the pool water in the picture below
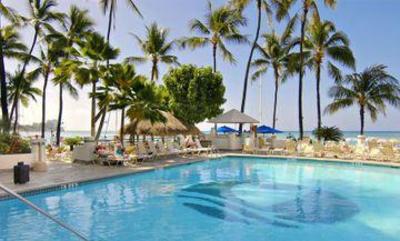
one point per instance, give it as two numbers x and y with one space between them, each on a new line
234 198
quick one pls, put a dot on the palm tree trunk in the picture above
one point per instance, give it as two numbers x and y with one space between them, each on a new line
109 26
16 119
214 57
58 133
103 117
275 98
121 132
303 29
26 62
362 118
93 113
253 47
318 72
153 70
3 86
46 80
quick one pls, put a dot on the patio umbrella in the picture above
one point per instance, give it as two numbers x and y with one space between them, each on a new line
226 129
267 130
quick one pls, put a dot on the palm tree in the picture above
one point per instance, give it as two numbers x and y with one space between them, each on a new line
13 17
240 5
77 25
156 48
22 90
41 17
307 6
49 58
94 50
11 47
220 26
275 54
111 7
370 90
323 42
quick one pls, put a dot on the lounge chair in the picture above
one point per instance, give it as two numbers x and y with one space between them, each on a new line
173 150
290 147
154 151
318 149
142 153
200 148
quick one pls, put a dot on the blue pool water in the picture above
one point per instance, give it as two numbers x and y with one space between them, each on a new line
233 198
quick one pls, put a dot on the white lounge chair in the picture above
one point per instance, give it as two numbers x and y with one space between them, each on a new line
142 153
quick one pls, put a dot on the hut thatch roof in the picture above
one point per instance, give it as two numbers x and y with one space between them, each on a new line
233 117
145 127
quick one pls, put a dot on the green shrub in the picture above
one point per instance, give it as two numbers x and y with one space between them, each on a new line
328 133
14 144
73 141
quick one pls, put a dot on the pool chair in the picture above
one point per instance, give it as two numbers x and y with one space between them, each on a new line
290 148
318 149
142 153
200 148
153 149
163 150
173 150
248 149
332 150
388 152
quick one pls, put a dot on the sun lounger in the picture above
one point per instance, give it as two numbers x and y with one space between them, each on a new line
142 153
200 148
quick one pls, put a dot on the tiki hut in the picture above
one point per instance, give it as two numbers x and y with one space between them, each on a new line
172 126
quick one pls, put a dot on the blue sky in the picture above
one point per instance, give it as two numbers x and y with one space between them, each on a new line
372 26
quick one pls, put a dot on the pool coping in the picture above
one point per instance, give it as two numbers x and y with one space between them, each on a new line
72 184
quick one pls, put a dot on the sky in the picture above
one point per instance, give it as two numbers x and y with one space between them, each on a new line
372 26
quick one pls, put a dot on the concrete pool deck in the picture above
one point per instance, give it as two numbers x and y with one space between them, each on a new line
61 174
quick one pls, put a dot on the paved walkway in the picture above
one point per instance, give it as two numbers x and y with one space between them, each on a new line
61 173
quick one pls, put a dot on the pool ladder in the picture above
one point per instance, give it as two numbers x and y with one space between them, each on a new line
44 213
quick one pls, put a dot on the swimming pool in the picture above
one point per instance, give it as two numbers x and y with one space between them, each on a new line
234 198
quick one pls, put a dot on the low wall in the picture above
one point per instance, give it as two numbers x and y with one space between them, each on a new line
9 161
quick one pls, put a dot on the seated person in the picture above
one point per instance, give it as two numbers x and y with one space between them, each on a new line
189 143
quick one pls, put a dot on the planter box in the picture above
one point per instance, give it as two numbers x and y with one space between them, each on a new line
9 161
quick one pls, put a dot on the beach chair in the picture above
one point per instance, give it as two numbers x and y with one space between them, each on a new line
173 150
207 150
388 152
163 150
154 151
142 153
318 149
290 148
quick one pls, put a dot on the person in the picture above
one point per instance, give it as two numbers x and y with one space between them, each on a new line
189 143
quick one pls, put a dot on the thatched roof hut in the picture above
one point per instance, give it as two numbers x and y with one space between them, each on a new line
172 126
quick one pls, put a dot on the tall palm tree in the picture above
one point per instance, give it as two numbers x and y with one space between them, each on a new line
241 5
77 25
22 90
324 42
156 48
9 14
10 47
283 7
220 26
111 7
40 18
275 54
369 90
94 51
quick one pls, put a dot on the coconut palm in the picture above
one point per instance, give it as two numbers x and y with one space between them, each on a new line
283 7
40 18
241 5
22 90
326 44
10 47
220 26
156 49
11 15
77 25
370 90
94 51
275 54
111 7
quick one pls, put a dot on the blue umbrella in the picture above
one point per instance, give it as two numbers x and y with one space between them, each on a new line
225 129
267 130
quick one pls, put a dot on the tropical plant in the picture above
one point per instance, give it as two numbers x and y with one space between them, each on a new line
195 94
77 25
369 90
221 25
327 133
326 44
40 18
13 144
275 54
22 90
111 7
283 6
11 15
94 51
10 47
73 141
156 48
241 5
